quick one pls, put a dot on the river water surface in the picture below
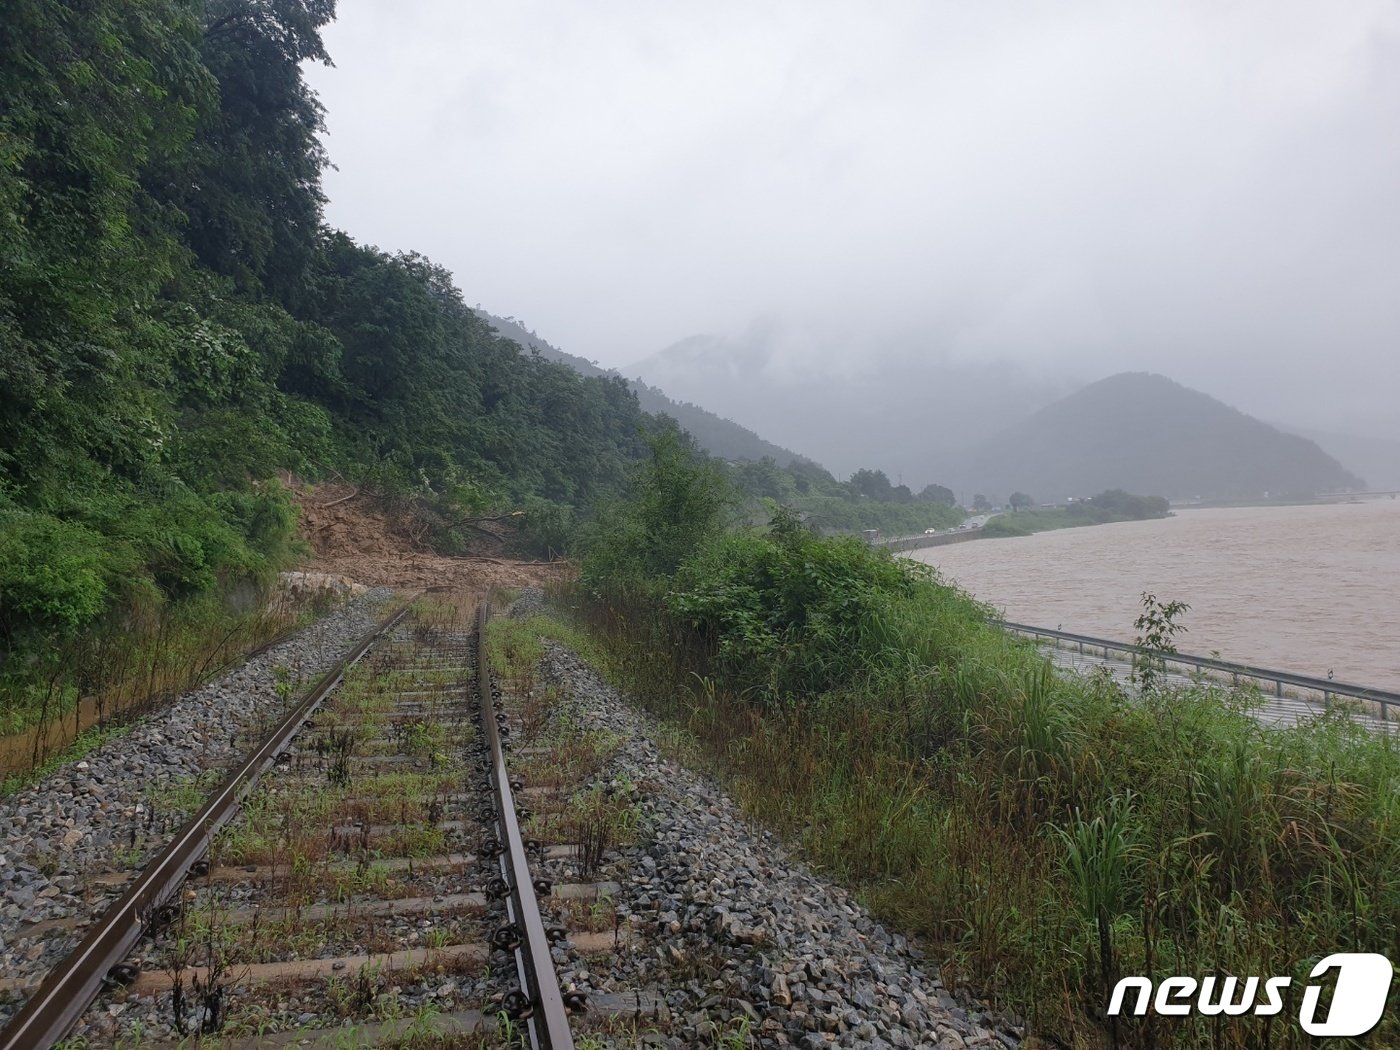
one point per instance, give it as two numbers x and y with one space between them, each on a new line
1302 589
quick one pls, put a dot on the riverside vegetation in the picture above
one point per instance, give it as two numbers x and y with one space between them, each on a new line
1111 505
1049 833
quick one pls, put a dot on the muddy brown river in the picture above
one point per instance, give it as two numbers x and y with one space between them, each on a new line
1302 589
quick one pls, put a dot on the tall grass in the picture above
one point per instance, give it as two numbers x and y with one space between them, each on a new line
131 664
1047 832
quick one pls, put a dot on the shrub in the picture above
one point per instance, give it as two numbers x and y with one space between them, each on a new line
677 500
52 574
788 609
548 528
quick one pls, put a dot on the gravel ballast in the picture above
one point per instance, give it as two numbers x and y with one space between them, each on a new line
111 810
735 933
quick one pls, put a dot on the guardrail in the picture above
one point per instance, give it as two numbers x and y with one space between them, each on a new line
1388 702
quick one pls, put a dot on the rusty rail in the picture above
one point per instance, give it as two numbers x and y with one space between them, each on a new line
543 1009
71 986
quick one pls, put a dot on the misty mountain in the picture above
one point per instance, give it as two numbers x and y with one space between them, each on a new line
716 435
903 410
1376 459
1145 433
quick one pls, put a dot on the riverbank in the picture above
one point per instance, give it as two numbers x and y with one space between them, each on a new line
1290 501
1023 823
1000 526
1048 833
1029 522
1103 509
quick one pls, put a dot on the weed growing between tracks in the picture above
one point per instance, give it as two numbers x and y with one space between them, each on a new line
1048 833
597 817
370 805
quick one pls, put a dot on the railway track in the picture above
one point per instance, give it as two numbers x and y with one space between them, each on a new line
362 879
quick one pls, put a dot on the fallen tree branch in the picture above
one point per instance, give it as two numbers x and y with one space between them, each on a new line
471 522
343 499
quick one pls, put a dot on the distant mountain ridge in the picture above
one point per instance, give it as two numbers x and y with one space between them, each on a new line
900 404
1376 459
1147 434
719 436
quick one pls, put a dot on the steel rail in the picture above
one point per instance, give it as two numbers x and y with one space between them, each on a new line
1328 688
547 1022
71 986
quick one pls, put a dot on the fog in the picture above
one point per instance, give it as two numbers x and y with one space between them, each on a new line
1205 190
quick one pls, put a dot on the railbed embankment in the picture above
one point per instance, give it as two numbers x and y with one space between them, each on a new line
741 934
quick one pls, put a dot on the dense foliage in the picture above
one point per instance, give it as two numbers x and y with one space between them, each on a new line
179 326
1049 832
778 608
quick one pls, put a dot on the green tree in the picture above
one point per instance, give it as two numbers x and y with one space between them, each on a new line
92 96
677 499
1020 501
980 503
1157 628
765 479
873 484
937 494
250 186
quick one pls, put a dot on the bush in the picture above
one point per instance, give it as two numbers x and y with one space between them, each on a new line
677 501
788 609
1005 525
190 544
52 574
120 562
548 529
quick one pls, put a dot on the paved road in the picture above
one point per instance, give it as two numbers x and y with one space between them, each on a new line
1278 711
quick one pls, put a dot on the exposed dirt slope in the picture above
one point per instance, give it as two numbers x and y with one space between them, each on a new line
353 535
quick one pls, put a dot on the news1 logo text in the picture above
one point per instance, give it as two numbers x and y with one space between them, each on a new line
1358 999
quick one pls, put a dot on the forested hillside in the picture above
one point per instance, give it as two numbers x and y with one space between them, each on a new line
763 473
714 434
178 324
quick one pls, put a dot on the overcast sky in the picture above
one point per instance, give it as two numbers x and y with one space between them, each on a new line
1210 190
